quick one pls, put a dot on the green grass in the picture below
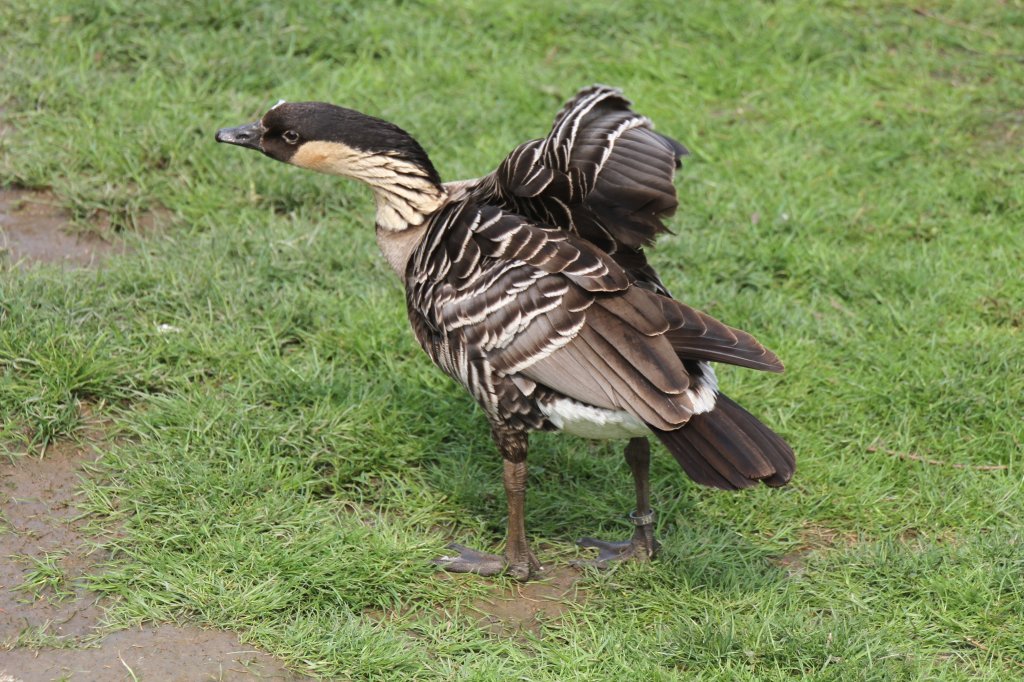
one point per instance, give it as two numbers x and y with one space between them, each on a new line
44 576
40 637
288 460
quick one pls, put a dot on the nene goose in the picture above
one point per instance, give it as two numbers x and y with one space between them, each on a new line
530 287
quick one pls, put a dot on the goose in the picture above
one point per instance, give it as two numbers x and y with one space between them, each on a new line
531 288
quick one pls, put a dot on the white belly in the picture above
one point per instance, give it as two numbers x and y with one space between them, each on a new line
592 422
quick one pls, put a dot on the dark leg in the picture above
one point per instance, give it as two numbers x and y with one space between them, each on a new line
642 545
519 562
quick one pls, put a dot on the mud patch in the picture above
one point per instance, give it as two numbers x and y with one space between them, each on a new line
509 610
999 130
150 221
50 624
528 607
813 538
791 562
40 528
158 653
34 229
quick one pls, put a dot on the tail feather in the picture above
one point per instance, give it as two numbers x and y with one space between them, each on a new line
729 448
702 453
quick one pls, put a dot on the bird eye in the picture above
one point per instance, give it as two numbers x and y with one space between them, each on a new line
290 136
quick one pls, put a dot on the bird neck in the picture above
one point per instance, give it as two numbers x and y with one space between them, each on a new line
404 201
407 190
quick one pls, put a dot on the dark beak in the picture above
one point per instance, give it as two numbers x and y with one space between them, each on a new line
248 135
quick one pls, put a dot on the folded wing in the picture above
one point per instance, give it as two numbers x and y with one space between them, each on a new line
542 305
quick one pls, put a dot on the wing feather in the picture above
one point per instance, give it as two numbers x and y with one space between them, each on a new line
601 173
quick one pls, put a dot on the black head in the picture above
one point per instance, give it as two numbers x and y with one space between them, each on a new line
325 137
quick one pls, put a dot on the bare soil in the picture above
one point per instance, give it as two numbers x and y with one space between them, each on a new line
516 609
813 538
527 607
162 653
40 519
35 229
510 609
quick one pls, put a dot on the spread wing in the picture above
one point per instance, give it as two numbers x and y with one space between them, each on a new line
512 300
602 173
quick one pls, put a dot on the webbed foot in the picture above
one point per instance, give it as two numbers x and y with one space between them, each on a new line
469 560
518 565
641 547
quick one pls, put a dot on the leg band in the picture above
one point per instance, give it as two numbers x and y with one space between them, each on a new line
642 519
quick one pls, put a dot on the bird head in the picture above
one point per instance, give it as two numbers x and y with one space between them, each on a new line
332 139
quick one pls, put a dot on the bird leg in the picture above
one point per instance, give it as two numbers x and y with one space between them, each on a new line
642 546
518 562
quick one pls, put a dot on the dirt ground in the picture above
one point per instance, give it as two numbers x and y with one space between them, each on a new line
51 630
34 229
527 607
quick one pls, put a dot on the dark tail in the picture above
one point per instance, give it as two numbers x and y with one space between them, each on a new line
729 448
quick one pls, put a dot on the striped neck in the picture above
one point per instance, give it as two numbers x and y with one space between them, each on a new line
404 201
406 192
